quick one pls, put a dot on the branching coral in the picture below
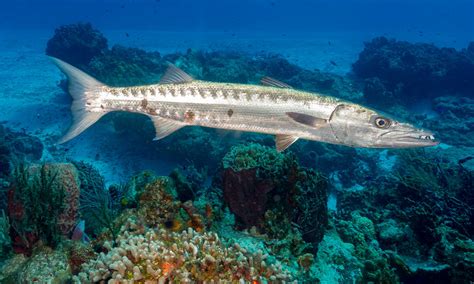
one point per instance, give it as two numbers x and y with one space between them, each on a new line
185 257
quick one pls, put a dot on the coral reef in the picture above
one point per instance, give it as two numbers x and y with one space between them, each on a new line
455 120
97 207
5 241
18 147
412 72
5 167
188 181
76 44
399 216
360 231
43 205
186 257
269 190
419 212
158 202
46 266
122 66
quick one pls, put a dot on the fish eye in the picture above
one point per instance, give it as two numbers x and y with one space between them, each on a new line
382 122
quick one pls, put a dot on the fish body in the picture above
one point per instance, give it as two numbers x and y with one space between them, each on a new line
272 108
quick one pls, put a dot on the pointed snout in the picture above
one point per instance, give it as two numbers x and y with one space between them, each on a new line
408 138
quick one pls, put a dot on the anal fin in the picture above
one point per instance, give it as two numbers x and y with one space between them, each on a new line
165 127
284 141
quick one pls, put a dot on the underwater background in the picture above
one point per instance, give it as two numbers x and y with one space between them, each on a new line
203 205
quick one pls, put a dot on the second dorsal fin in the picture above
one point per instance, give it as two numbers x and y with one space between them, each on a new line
268 81
174 75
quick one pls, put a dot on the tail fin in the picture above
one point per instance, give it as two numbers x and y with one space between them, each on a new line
83 89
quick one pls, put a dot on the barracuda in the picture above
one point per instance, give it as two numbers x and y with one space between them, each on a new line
272 108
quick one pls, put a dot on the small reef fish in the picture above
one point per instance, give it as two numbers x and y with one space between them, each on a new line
271 108
79 232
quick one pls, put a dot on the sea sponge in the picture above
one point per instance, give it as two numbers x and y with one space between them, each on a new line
270 191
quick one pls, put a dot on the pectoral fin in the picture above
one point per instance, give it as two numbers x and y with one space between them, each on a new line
165 127
284 141
307 119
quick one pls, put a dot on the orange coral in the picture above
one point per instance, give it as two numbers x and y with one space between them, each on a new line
167 268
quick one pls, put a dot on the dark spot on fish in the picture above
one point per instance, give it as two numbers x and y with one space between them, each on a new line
230 112
152 111
102 106
144 103
88 103
189 116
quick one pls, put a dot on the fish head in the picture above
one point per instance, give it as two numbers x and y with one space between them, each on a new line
357 126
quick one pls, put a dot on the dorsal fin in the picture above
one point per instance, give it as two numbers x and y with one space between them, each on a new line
283 141
307 119
165 127
174 75
268 81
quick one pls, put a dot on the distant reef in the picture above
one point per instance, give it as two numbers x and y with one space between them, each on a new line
409 72
237 210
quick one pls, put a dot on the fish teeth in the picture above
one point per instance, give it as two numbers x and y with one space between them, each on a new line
426 137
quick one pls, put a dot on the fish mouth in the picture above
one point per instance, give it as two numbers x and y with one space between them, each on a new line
408 139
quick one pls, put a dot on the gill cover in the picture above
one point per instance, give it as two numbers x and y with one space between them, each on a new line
343 120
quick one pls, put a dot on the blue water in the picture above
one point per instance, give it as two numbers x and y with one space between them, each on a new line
448 17
326 213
